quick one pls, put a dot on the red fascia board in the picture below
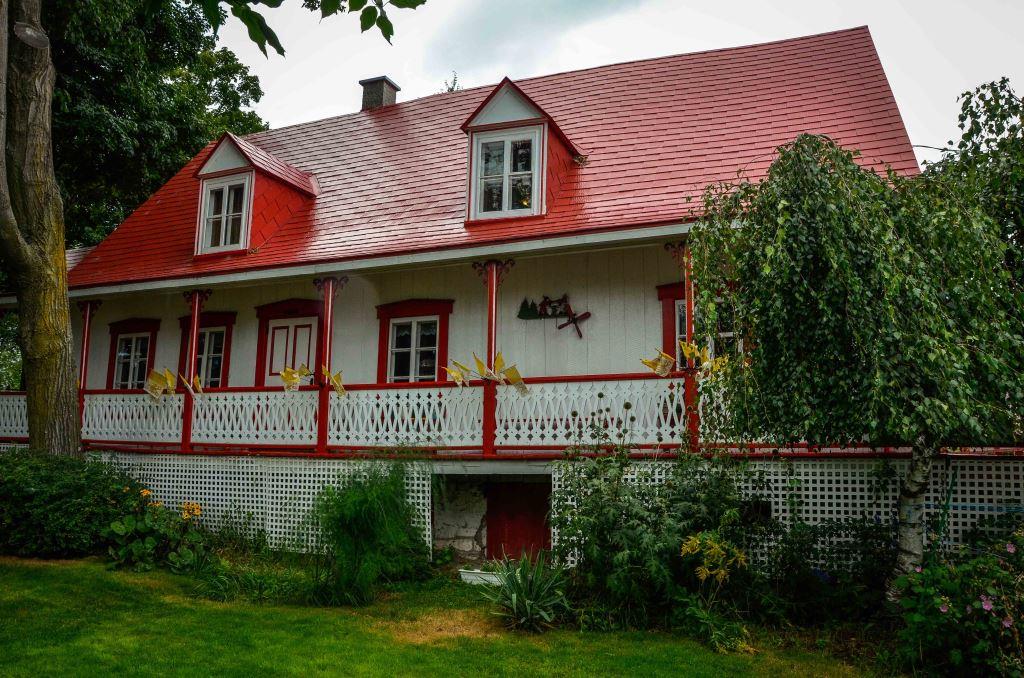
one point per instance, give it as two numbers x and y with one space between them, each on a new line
506 81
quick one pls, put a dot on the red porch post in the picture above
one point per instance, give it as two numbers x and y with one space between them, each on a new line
492 271
87 308
328 288
681 253
195 300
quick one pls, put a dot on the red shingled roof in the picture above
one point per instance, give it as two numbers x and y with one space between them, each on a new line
393 180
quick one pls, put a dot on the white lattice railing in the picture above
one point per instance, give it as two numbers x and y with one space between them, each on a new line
414 416
13 416
132 417
255 417
559 413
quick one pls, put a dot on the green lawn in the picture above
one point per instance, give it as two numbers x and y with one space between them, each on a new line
77 618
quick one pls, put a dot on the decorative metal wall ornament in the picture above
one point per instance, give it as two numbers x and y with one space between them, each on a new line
553 308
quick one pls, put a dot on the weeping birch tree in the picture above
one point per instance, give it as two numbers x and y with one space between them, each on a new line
874 309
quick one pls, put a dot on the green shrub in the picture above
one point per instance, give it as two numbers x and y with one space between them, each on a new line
529 595
58 506
366 536
154 535
963 616
624 531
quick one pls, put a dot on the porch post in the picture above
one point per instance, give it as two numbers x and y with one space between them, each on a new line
492 271
681 253
195 300
328 288
87 308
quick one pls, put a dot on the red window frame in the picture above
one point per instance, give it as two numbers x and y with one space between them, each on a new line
282 310
132 326
208 319
413 308
669 294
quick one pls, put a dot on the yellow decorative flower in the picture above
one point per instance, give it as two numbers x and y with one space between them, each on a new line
190 509
145 493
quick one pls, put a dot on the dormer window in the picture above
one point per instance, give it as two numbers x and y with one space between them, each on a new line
224 223
507 173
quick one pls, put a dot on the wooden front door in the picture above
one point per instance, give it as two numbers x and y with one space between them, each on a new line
517 518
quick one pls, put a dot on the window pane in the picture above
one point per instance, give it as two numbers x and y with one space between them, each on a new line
521 190
201 345
124 348
426 334
216 205
401 335
427 368
214 228
123 374
216 342
213 378
236 197
400 366
490 195
235 235
142 346
493 158
522 155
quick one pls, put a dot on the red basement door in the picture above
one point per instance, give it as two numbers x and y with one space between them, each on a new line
517 518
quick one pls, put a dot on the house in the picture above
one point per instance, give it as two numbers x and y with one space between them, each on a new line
544 219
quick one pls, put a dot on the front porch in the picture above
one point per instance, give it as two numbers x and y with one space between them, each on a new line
580 379
432 418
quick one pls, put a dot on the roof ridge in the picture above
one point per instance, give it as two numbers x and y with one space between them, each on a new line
491 86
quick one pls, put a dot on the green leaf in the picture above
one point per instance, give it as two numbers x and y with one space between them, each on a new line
329 7
356 5
117 527
386 29
367 18
256 25
407 4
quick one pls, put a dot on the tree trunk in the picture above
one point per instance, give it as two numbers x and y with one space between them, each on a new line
911 511
32 228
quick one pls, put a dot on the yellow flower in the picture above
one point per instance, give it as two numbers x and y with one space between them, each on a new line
145 493
190 509
156 504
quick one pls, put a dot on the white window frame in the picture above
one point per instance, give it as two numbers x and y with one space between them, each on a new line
413 350
724 335
204 196
532 133
680 308
203 358
133 361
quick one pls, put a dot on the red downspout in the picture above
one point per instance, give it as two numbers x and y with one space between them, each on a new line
195 298
87 308
327 289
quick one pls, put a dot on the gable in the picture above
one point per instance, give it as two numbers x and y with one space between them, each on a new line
225 157
507 105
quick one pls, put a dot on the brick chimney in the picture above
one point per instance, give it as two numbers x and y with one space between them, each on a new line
379 91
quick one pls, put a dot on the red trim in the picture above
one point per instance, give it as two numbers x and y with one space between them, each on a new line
131 326
210 319
669 294
413 308
282 310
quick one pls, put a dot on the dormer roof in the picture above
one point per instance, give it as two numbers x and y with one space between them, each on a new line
507 104
232 152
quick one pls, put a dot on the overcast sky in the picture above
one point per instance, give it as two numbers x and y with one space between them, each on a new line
932 50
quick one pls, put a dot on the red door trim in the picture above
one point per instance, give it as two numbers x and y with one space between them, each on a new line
208 319
282 310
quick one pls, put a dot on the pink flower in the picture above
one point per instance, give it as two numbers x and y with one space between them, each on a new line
1007 623
917 569
986 604
1011 548
943 608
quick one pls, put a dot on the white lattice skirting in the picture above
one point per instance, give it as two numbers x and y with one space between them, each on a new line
270 493
815 490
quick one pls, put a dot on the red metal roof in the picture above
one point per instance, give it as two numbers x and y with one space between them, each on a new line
656 132
271 164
